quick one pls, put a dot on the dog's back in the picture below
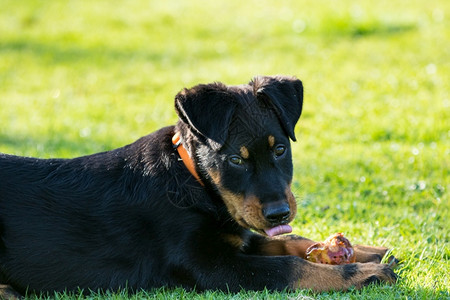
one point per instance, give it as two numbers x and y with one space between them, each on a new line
85 221
17 170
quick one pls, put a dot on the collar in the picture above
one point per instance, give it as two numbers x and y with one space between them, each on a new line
187 160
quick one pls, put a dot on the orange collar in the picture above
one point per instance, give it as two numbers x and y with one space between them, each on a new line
176 141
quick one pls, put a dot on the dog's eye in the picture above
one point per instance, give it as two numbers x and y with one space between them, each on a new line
236 160
279 150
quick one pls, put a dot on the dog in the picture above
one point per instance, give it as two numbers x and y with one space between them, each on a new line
200 205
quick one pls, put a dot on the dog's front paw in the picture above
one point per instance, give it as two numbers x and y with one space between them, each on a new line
366 254
325 277
361 275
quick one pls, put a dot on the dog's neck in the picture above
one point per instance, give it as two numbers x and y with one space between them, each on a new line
187 160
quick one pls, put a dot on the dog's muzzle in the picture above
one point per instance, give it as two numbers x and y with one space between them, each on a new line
277 214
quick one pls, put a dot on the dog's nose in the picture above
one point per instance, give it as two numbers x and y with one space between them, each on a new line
277 212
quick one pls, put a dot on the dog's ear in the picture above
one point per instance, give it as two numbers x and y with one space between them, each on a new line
208 109
285 95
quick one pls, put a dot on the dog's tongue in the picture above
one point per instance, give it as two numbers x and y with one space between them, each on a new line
277 230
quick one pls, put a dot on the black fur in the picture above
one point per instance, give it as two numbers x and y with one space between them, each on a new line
371 280
349 271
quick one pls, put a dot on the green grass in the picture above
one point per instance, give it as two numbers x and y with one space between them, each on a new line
372 160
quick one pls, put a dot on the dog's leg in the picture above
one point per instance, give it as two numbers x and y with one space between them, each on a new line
8 293
297 245
373 254
323 277
253 272
280 245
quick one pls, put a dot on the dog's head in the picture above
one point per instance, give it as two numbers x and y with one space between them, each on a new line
238 137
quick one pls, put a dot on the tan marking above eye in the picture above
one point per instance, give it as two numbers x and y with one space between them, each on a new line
244 152
271 140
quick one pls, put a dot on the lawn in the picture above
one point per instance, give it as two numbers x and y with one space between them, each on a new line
373 151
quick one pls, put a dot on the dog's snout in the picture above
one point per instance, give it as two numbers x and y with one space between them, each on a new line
277 212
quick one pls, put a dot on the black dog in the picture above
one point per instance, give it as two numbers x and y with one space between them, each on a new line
197 212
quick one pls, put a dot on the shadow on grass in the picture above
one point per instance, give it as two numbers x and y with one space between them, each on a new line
59 144
62 52
385 29
345 27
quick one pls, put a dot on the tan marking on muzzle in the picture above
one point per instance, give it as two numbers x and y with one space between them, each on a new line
215 176
291 200
252 213
247 211
234 203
